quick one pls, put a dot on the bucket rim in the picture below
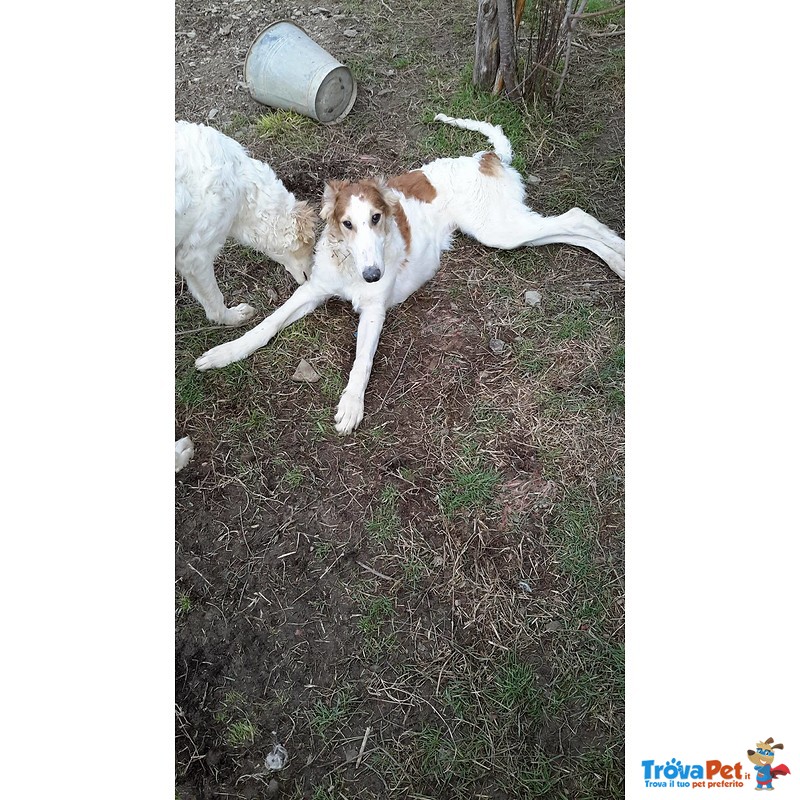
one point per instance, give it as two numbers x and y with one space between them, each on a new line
264 30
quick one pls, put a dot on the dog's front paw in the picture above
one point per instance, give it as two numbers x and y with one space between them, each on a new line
219 356
184 450
349 413
238 315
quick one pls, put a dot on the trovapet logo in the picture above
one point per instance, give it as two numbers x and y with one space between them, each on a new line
675 774
718 774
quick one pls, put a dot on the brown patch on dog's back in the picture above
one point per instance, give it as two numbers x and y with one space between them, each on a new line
491 165
415 185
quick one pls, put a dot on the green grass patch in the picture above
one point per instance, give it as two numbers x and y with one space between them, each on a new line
293 478
238 728
516 687
237 378
541 776
183 604
329 792
319 423
589 668
607 379
244 258
488 420
189 389
590 135
469 485
376 626
460 698
257 421
614 367
600 21
574 536
288 128
611 170
376 612
402 62
575 323
305 334
384 522
241 732
366 66
452 758
616 399
333 712
612 375
239 123
414 570
322 549
332 384
598 775
528 356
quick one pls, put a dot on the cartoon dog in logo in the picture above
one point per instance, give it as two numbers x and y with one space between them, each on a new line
762 757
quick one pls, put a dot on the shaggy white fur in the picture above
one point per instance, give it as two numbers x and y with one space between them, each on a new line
221 192
184 450
382 241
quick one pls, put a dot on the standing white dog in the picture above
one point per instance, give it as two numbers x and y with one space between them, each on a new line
221 192
382 241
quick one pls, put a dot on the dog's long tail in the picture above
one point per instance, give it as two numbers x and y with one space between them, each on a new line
494 133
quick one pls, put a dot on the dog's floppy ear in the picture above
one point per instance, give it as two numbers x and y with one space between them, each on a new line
388 197
332 188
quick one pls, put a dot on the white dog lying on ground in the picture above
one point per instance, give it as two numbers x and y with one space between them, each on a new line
221 192
382 241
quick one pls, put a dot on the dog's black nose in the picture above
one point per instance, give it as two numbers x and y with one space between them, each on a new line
371 274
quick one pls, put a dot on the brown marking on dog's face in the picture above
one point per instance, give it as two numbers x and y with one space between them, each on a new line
338 194
490 165
402 225
414 185
359 216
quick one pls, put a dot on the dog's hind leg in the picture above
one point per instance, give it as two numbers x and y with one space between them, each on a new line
350 411
304 300
520 227
197 267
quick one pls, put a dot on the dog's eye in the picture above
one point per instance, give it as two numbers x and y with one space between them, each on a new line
376 218
347 224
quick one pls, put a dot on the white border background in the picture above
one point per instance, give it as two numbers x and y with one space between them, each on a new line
88 393
712 354
711 396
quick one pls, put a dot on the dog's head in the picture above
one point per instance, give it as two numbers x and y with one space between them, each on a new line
764 753
359 216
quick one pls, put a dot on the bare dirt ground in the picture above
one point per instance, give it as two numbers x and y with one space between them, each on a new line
448 581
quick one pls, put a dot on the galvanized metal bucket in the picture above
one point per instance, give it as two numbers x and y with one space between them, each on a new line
285 68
